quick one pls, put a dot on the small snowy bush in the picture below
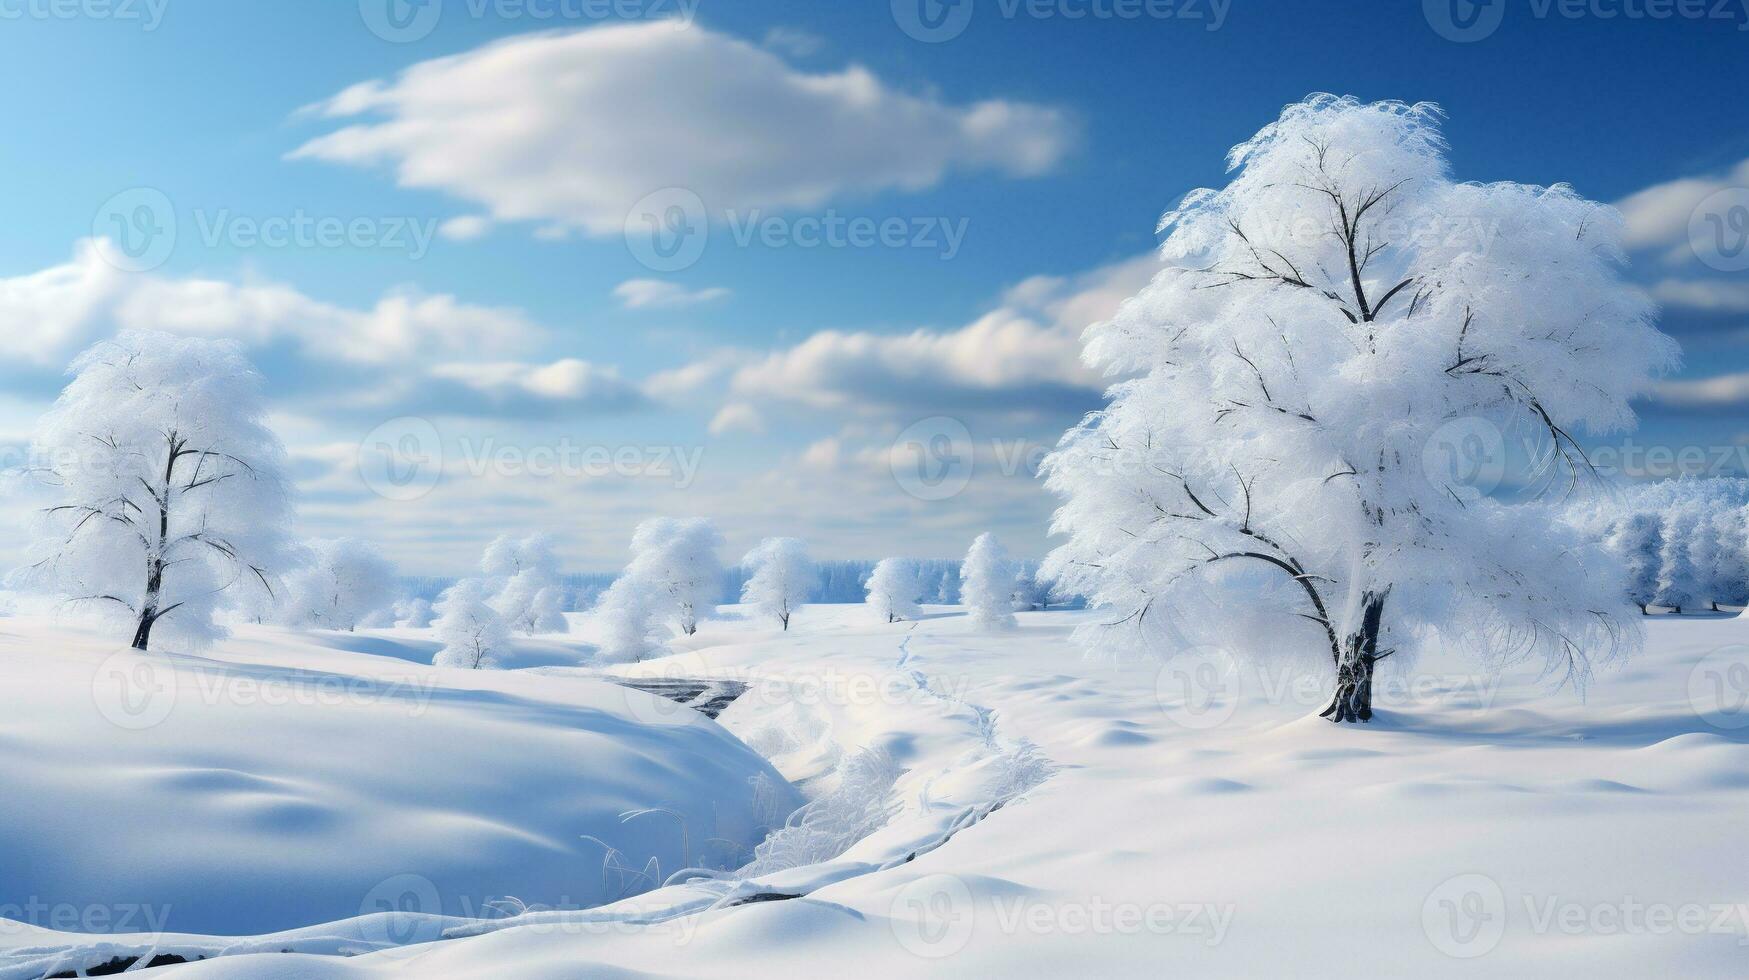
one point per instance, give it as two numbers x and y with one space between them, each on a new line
782 578
530 595
344 582
474 635
894 590
988 584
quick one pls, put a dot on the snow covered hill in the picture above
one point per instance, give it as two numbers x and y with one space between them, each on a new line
1004 807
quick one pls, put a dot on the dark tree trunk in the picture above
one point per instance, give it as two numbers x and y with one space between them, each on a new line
786 622
1354 668
1643 610
143 633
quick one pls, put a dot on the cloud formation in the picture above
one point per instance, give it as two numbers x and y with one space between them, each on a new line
570 129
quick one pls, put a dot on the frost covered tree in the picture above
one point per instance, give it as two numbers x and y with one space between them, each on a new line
1636 540
344 581
1730 571
894 588
988 582
473 633
675 561
1318 327
530 594
414 613
169 496
781 578
1678 584
624 618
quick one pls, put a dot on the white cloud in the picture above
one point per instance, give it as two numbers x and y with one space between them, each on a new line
48 316
1024 356
1713 295
794 41
1658 216
640 294
465 228
1721 392
570 129
737 416
516 385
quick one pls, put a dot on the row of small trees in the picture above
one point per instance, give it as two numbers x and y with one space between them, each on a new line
1683 543
992 587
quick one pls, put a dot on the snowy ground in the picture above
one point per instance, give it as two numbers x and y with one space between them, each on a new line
1045 815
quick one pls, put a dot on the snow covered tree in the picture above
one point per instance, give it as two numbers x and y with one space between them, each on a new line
1730 573
894 588
344 582
473 633
624 617
414 613
170 499
1678 585
1636 540
988 581
781 578
530 594
1318 326
675 561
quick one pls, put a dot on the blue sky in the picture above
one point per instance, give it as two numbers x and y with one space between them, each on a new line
1018 167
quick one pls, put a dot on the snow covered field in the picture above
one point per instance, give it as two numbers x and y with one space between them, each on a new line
1021 811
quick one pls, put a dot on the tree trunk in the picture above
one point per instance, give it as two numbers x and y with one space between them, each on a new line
1354 668
143 633
1643 610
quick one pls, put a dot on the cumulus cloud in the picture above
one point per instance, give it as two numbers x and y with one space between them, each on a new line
1022 357
641 294
516 387
571 129
1658 216
47 316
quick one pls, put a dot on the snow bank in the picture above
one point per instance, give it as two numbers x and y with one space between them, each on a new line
297 782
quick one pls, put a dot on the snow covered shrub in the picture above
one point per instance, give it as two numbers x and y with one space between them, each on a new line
1317 328
345 581
169 497
530 593
474 635
624 618
988 584
893 590
414 613
676 562
782 578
